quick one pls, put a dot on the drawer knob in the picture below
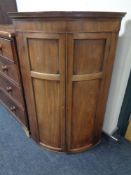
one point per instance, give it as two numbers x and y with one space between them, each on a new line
13 108
4 68
9 88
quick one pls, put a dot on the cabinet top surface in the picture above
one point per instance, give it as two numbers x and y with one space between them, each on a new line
66 14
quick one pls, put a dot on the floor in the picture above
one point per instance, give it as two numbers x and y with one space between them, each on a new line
20 155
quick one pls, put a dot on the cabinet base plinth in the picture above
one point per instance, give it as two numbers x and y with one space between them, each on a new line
70 151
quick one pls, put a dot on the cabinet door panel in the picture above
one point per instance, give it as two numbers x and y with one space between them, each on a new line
88 56
86 64
84 100
44 67
47 99
46 59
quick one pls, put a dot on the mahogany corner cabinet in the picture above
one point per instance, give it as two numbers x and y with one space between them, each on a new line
66 61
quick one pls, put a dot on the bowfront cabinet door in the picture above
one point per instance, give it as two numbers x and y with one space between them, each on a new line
43 72
87 67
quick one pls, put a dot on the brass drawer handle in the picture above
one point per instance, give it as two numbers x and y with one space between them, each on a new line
4 68
8 88
13 108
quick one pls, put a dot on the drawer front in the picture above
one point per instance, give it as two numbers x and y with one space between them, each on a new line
7 49
13 107
10 70
11 90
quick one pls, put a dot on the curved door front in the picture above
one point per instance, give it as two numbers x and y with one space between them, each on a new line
87 61
44 63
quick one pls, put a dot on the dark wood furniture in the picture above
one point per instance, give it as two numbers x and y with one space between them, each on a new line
5 7
11 93
66 61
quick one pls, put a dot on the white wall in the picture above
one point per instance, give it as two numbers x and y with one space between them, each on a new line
122 63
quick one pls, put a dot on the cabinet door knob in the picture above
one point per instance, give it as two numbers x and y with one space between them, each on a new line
9 88
13 108
4 68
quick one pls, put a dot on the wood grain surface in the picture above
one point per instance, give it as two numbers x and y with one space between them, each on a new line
66 60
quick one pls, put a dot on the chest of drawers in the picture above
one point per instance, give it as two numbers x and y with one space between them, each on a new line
11 93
